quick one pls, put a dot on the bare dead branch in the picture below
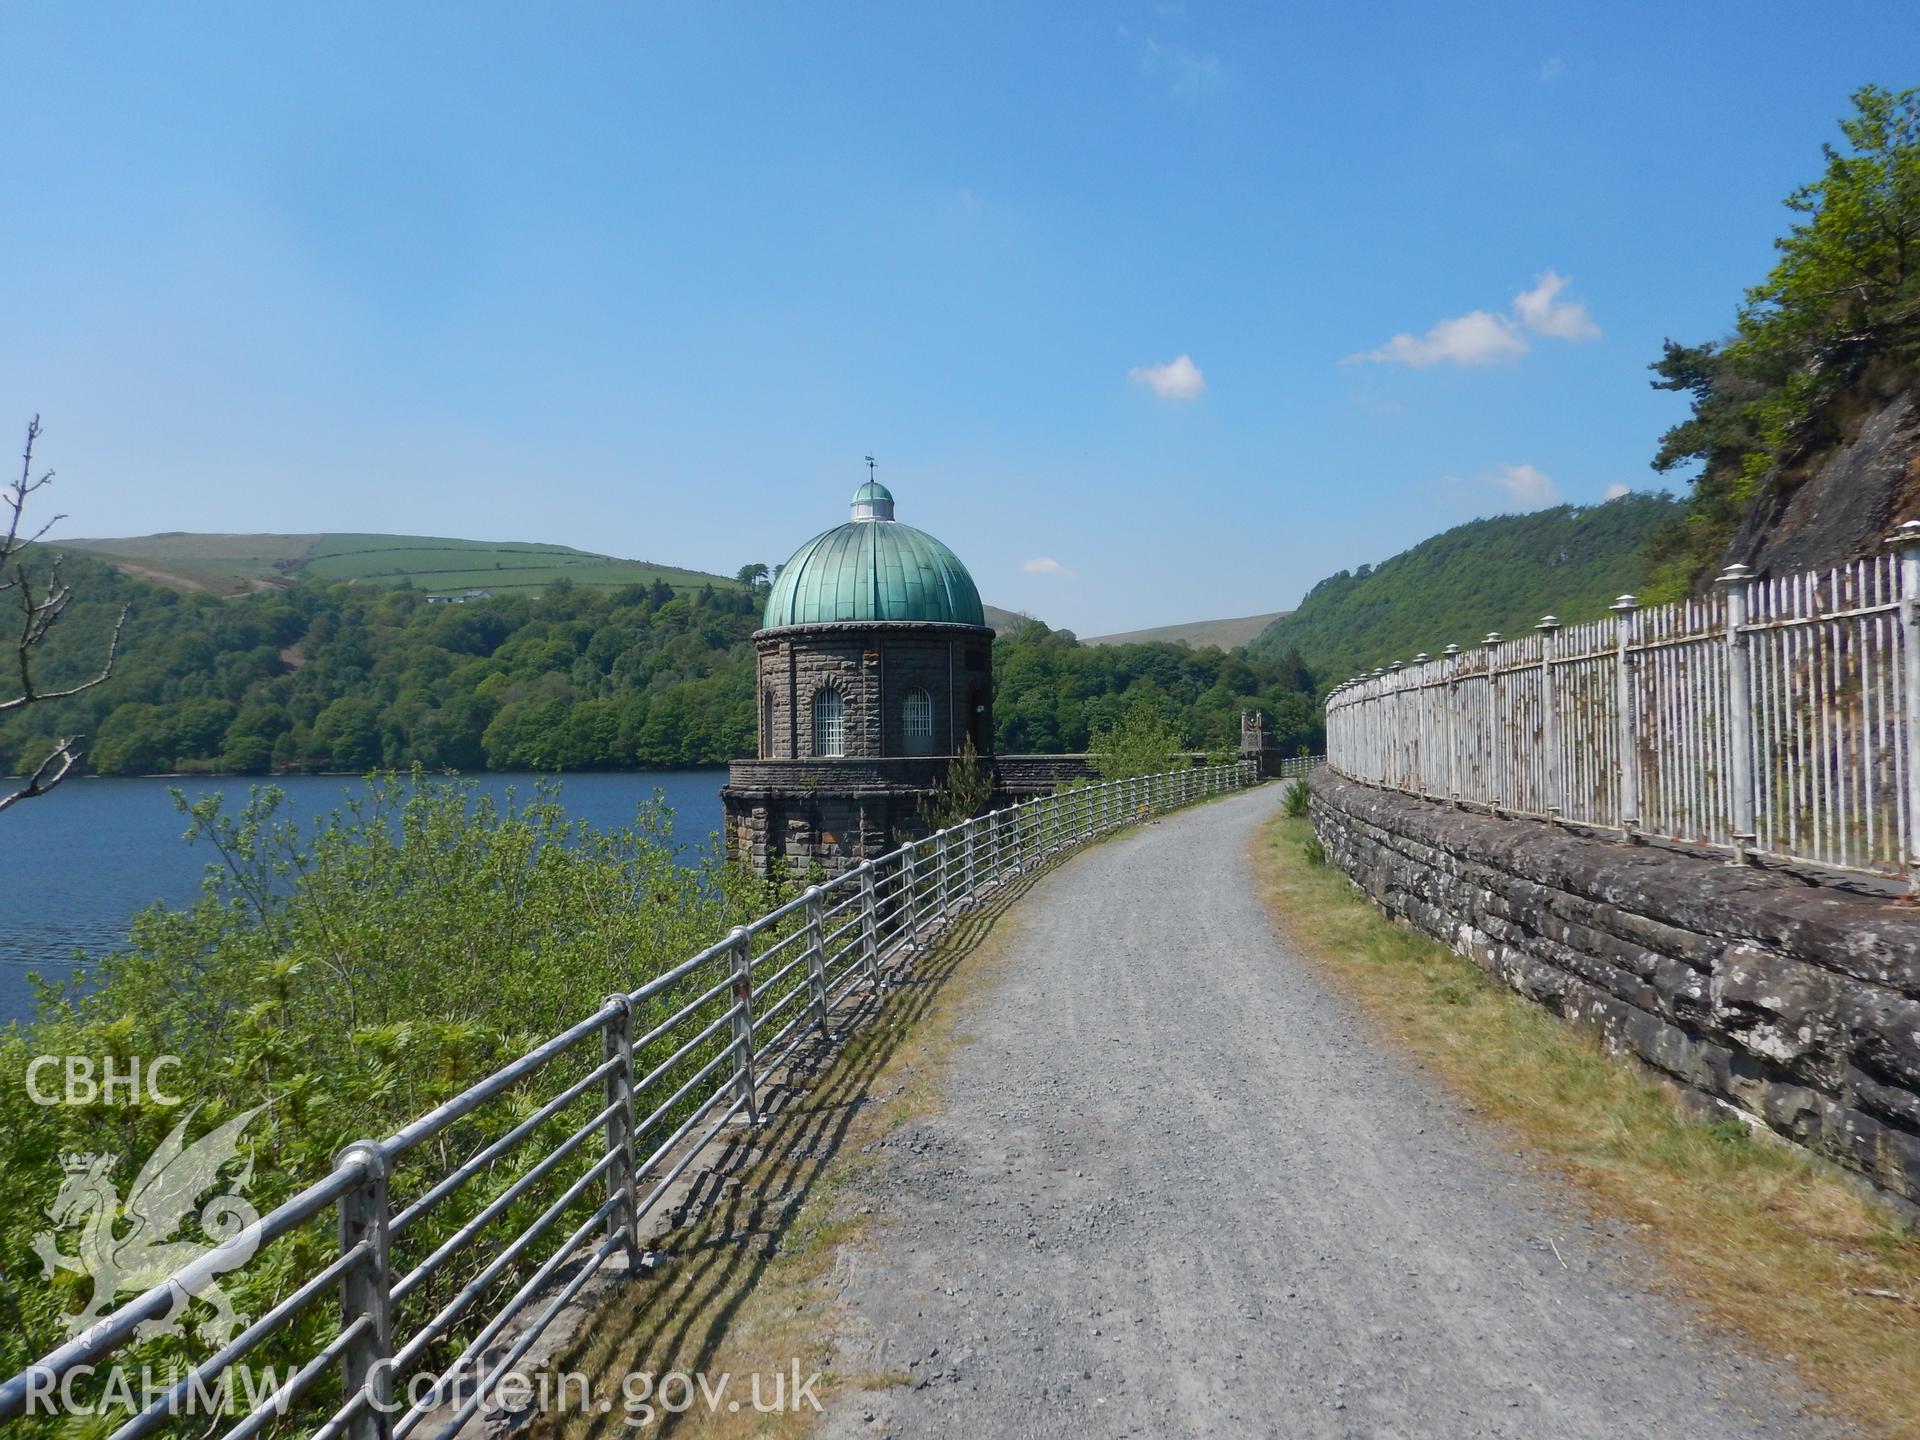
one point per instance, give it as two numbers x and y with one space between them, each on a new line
41 781
106 673
41 606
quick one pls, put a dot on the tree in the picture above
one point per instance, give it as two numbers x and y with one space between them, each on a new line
1144 741
752 577
42 599
1846 277
1844 294
962 795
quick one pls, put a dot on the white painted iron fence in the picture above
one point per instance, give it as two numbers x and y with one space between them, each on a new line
500 1205
1774 717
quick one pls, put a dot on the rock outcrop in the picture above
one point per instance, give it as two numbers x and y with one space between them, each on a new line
1841 502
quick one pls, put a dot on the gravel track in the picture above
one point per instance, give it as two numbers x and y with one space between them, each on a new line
1176 1186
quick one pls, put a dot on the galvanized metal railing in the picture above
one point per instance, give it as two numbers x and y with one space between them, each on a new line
1298 767
598 1123
1776 717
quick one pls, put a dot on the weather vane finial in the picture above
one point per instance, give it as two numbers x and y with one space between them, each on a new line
869 468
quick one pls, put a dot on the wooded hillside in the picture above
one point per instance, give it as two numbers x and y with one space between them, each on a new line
1498 574
350 677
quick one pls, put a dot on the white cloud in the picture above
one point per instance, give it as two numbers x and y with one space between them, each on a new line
1498 489
1524 484
1481 337
1541 310
1616 490
1189 73
1177 379
1045 565
1477 338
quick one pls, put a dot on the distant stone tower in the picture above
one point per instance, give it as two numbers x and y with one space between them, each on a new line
875 666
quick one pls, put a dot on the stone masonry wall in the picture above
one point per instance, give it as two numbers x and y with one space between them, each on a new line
1797 1003
874 669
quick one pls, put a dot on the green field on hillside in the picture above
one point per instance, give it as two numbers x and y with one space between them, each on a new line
238 564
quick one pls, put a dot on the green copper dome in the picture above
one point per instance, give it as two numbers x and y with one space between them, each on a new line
874 568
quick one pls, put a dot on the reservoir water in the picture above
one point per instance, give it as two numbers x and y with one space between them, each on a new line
76 864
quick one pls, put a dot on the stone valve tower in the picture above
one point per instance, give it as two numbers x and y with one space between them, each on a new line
875 667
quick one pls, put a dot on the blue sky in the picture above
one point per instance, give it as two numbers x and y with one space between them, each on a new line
1153 311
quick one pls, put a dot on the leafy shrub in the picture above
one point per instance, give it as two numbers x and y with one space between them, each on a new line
345 979
1145 741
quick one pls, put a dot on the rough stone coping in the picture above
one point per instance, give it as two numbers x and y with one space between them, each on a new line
1868 937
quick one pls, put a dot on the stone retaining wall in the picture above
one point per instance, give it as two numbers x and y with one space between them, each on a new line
1797 1003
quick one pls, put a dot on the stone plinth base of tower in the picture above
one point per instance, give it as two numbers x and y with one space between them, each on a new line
831 812
837 811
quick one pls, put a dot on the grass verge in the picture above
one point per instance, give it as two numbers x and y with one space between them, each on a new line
1771 1245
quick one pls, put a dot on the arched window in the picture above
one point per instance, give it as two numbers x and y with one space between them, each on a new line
829 723
916 722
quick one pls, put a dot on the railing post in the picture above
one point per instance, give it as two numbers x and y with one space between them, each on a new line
940 849
1739 717
1449 698
908 878
617 1045
743 1086
1625 661
817 958
1496 737
1551 798
973 855
870 926
1906 544
1416 768
366 1363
